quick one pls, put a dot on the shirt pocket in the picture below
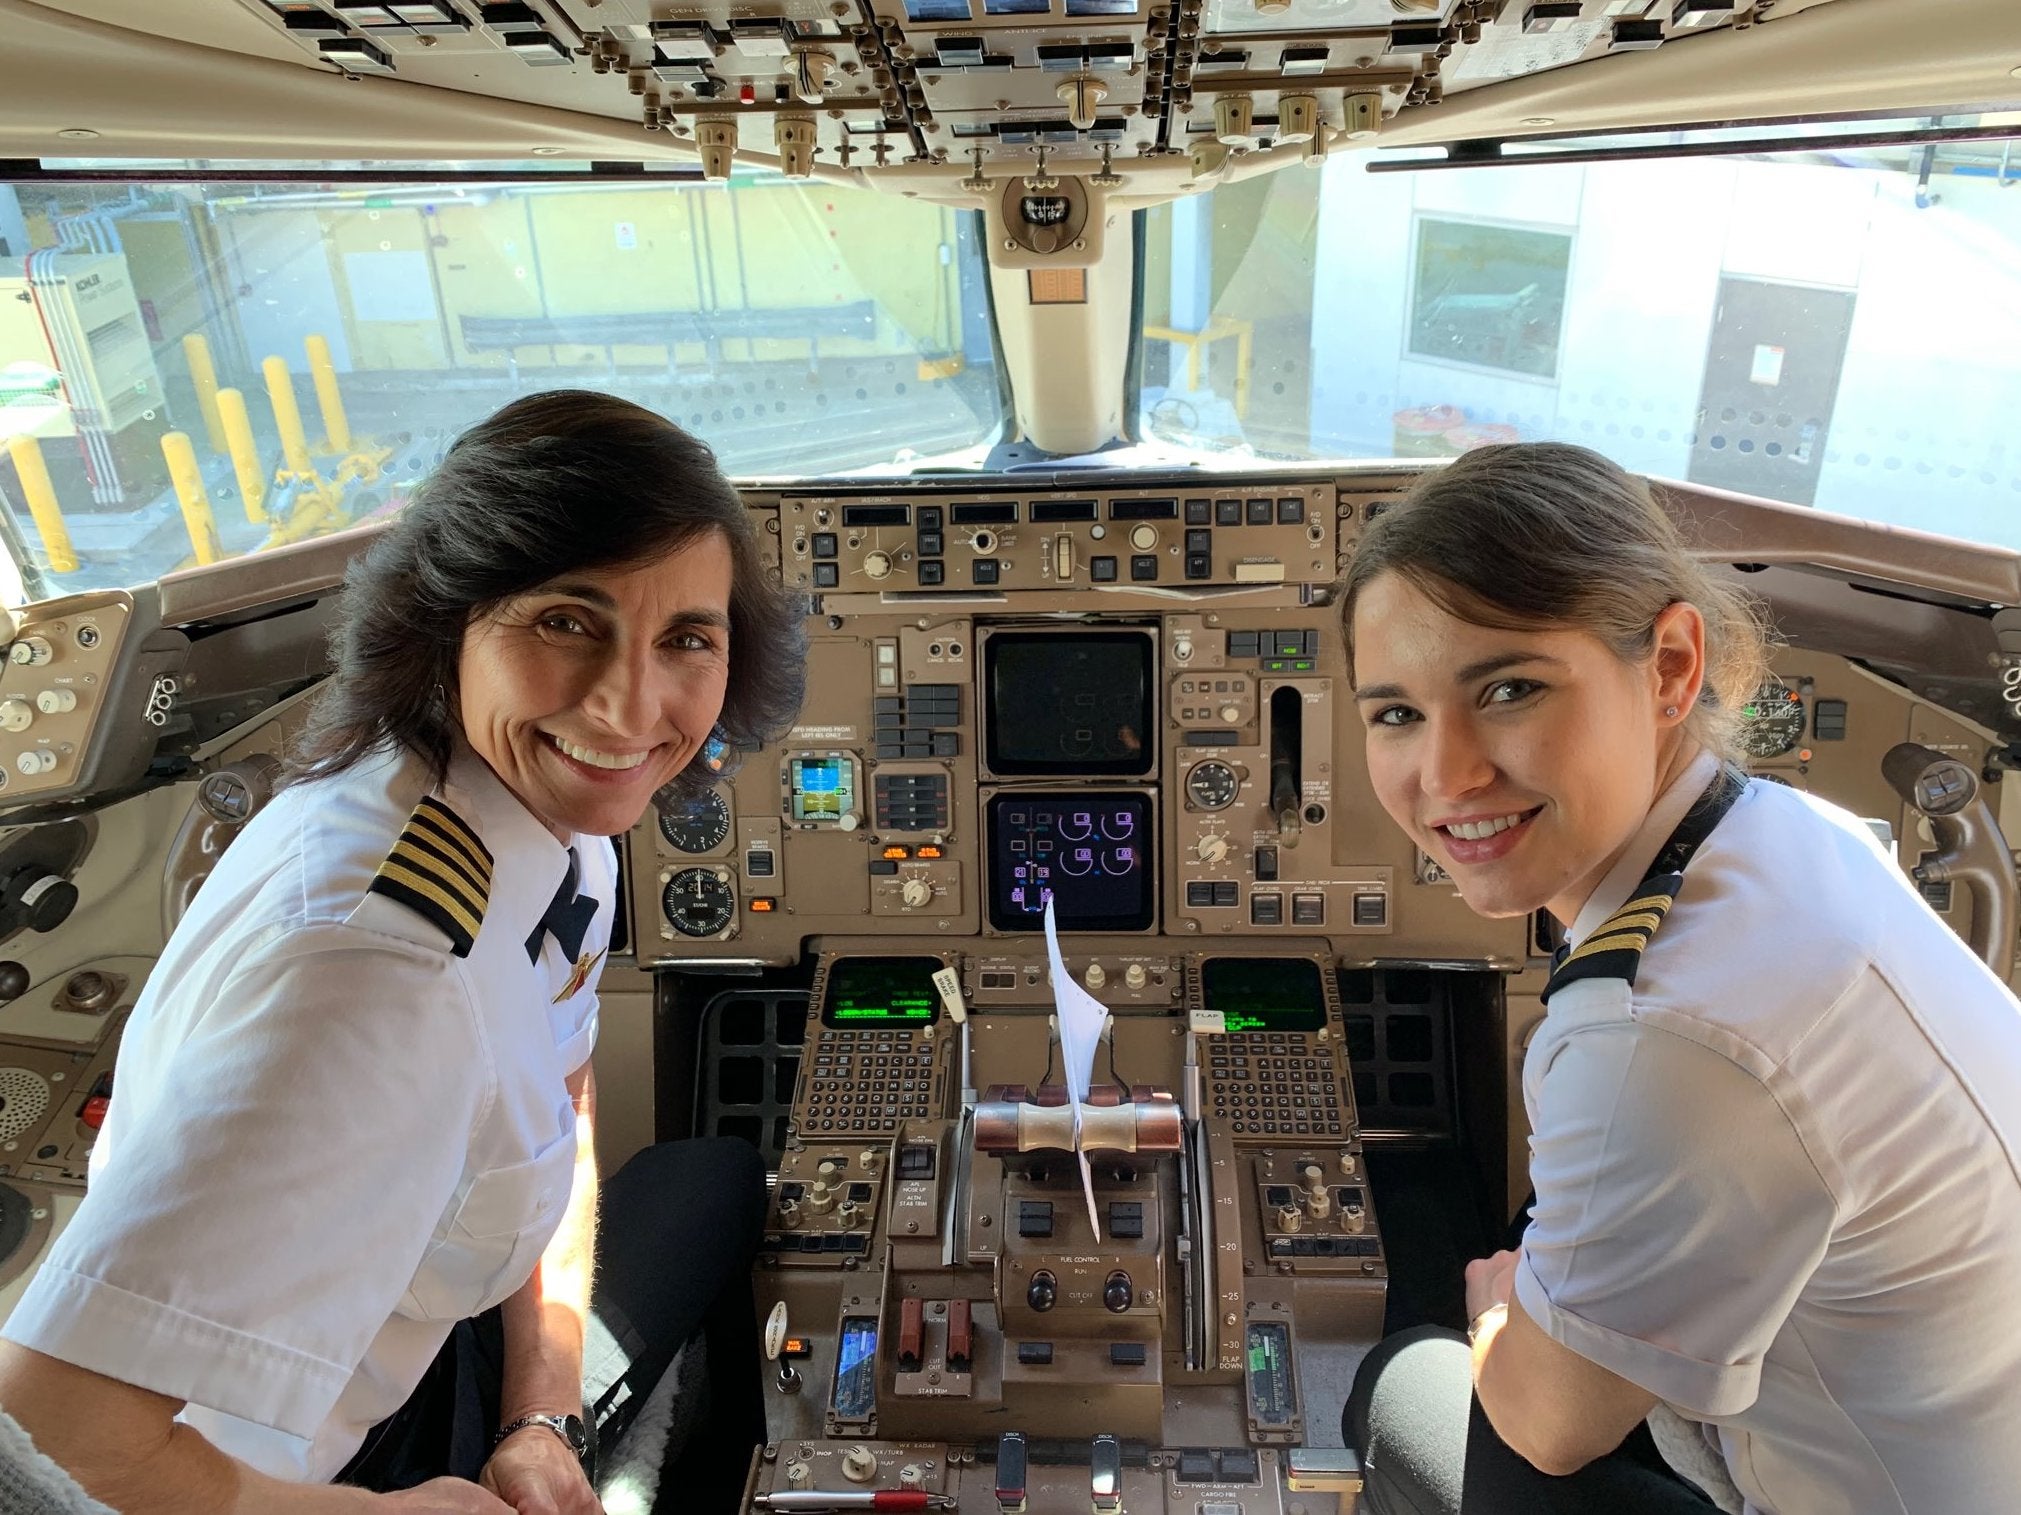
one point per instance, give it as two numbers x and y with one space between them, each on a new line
486 1247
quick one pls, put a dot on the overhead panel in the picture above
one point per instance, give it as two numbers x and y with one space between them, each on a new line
1000 86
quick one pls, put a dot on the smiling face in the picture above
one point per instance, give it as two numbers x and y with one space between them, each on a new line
587 694
1521 761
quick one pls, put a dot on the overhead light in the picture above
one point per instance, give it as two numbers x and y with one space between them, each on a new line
547 152
76 133
1690 13
1539 121
1547 16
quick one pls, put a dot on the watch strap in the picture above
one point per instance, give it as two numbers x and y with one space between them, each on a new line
557 1423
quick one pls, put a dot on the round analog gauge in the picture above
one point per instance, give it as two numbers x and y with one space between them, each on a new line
1772 722
1211 785
698 902
696 824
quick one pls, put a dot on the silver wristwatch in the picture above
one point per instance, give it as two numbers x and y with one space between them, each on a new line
568 1427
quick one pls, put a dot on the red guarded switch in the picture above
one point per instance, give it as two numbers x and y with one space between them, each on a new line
911 1335
960 1336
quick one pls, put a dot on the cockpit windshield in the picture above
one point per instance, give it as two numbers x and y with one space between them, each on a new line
201 367
1834 328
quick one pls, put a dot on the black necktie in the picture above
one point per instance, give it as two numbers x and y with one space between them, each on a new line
567 917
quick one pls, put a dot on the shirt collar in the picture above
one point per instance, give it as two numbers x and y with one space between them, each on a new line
1632 867
520 891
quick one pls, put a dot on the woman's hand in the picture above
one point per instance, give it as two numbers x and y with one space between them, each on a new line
535 1473
1490 1282
444 1496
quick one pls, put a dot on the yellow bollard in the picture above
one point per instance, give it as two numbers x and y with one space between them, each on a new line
245 453
287 417
189 488
205 377
34 475
329 399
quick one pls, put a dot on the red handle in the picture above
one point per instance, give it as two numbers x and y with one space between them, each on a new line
900 1499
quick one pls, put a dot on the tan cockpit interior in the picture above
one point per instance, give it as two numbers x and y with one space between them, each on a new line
1072 652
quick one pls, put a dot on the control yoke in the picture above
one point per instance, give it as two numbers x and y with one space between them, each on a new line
1969 846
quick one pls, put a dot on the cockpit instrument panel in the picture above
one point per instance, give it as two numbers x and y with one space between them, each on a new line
881 992
1263 994
1089 852
1772 723
1073 703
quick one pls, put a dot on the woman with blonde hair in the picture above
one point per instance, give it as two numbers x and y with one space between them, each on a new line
1775 1102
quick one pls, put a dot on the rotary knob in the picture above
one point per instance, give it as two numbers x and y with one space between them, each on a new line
36 761
1211 848
1143 536
31 652
877 565
1230 714
859 1465
1096 976
1135 976
16 715
915 893
40 901
56 701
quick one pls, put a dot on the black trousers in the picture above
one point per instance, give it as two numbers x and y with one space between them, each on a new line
1427 1448
678 1227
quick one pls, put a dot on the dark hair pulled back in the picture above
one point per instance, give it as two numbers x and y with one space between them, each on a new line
1530 536
570 479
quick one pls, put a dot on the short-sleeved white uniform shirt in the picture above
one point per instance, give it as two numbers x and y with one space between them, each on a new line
1777 1179
331 1136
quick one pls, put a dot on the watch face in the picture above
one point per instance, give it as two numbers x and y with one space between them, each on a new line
577 1434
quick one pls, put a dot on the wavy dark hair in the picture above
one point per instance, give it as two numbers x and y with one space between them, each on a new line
1524 536
565 480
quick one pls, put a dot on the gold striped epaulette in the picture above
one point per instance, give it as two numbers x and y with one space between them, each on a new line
1615 948
441 871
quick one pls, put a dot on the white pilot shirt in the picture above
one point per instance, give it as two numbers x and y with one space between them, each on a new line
1777 1179
331 1136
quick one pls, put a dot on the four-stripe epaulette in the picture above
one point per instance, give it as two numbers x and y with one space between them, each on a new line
441 871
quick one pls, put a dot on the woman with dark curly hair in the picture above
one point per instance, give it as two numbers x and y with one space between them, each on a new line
343 1214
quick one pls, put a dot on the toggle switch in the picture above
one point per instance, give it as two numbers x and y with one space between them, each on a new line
960 1336
911 1335
1105 1475
1118 1294
1010 1473
1043 1292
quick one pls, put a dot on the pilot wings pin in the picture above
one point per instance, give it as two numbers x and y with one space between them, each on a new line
579 975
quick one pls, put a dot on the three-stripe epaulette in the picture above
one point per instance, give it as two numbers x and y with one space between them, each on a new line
1615 948
440 870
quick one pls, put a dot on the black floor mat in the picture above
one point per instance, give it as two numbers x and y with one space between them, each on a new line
1433 1224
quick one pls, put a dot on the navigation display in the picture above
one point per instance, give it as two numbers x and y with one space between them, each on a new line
1264 993
1090 852
1067 704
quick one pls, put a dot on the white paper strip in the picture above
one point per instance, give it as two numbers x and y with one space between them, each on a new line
1081 1019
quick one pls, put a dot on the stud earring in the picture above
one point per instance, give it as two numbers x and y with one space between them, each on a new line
1670 710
